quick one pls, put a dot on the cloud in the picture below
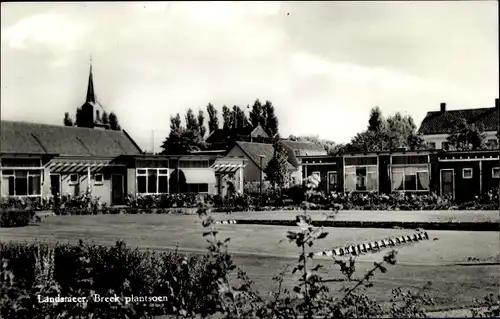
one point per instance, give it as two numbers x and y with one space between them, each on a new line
53 30
323 66
308 64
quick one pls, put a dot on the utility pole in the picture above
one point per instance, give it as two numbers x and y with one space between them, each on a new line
261 168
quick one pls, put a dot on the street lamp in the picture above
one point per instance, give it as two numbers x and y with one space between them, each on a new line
261 168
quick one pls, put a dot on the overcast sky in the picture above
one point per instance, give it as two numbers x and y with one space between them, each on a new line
322 64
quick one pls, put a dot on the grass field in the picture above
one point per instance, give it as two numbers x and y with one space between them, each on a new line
258 250
379 216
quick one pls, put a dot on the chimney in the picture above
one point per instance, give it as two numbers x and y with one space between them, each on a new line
443 107
497 103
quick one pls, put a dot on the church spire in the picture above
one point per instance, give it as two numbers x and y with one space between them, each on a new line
90 88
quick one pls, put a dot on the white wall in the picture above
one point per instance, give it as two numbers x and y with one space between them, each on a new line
251 173
440 138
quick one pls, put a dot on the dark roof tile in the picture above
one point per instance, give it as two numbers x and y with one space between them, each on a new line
34 138
303 148
443 122
254 150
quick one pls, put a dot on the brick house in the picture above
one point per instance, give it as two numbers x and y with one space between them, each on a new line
437 125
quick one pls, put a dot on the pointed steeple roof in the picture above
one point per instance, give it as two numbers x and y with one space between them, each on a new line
90 89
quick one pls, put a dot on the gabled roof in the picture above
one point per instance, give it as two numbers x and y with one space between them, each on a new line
220 136
217 136
304 148
254 150
34 138
442 122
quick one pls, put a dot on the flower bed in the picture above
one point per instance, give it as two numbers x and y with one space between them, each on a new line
84 270
86 204
453 225
32 203
12 217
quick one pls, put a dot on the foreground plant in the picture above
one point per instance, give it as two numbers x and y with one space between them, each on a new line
311 296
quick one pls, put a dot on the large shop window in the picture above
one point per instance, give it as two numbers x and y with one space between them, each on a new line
495 172
361 178
152 181
410 179
21 183
194 164
197 188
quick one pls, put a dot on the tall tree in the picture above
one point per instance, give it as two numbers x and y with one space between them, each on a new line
382 135
67 120
175 123
271 119
376 121
276 170
227 117
174 143
256 114
201 123
105 118
113 122
183 140
191 121
240 118
79 117
213 120
466 136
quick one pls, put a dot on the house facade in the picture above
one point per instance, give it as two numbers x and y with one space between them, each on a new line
40 160
175 174
437 125
224 139
258 156
328 168
461 175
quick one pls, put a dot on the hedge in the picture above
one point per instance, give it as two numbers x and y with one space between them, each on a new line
85 270
290 199
13 217
467 226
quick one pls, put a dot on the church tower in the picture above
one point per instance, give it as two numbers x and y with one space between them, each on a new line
88 106
90 114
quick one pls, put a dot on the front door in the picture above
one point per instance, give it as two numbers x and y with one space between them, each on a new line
448 182
55 184
332 182
117 197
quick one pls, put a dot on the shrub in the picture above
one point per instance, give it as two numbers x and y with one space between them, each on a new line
85 270
16 217
193 285
32 203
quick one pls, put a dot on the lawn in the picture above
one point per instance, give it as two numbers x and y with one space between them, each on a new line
258 250
379 216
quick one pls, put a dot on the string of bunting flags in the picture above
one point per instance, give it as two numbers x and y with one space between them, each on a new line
374 246
363 248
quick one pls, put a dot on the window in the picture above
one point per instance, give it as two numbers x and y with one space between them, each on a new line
152 181
194 164
431 145
493 143
361 178
21 183
332 181
197 188
445 146
410 178
73 179
467 173
98 179
495 172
